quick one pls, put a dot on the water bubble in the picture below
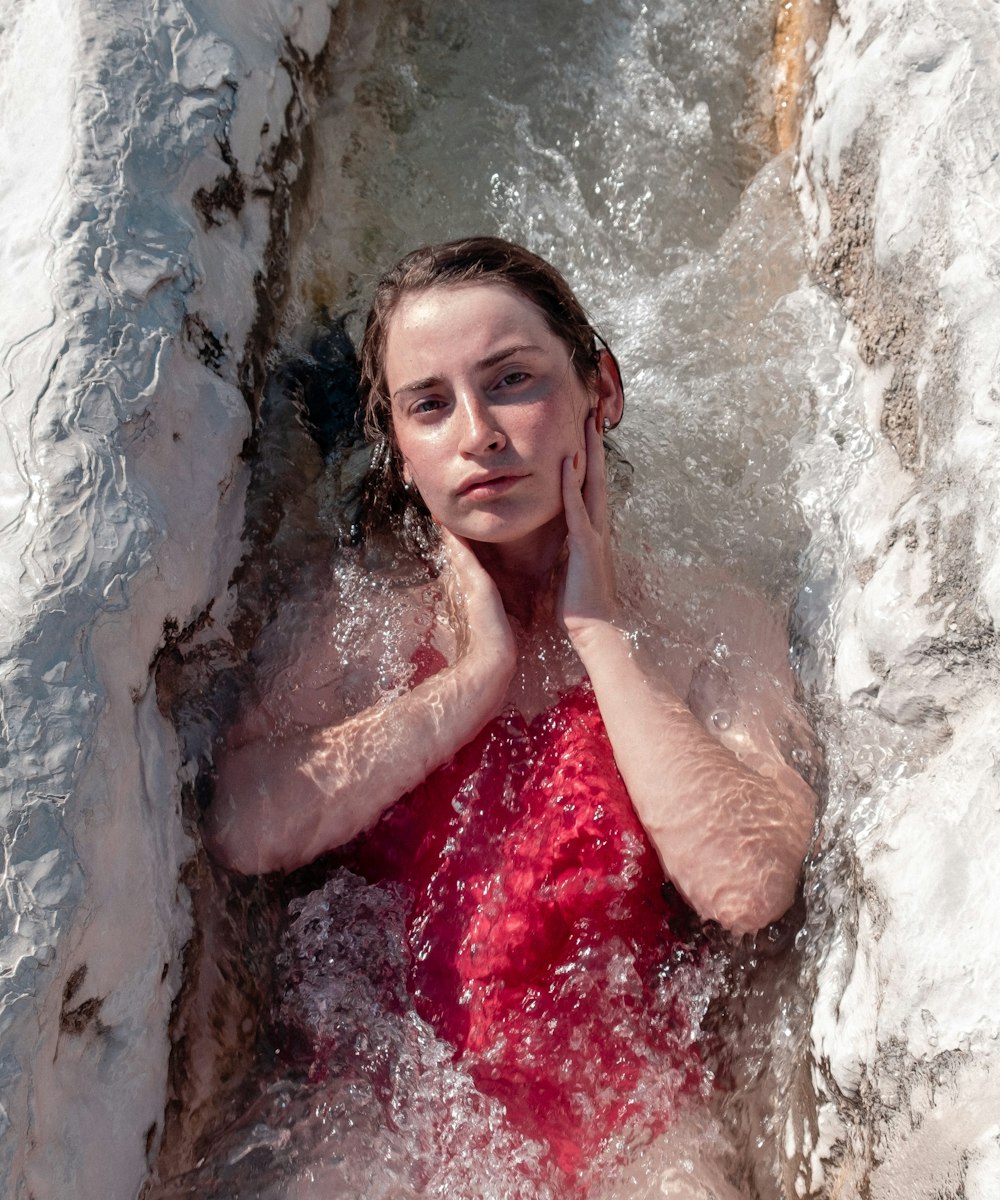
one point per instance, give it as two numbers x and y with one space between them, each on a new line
721 719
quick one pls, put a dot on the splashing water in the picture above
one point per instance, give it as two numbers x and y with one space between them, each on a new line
584 998
614 139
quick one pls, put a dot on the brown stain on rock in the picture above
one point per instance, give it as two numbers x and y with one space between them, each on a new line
76 1019
889 304
226 197
217 1014
800 31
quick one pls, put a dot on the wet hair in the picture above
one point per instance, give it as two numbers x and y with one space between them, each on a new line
386 502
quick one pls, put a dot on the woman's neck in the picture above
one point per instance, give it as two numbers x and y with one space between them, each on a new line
526 572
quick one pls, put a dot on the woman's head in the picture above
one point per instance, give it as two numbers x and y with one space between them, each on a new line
470 260
470 266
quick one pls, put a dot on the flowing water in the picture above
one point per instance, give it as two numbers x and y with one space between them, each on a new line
619 140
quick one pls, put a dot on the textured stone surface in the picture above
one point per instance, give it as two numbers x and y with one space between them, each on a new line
146 172
899 180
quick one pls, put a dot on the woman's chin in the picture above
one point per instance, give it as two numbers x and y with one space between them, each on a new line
519 547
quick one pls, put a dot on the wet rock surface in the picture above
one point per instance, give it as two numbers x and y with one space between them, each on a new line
898 179
149 157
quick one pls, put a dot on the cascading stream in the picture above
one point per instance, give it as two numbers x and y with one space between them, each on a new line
618 141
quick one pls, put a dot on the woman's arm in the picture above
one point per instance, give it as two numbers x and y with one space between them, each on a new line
731 838
730 835
286 797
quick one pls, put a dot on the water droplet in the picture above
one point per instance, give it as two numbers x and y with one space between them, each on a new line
721 719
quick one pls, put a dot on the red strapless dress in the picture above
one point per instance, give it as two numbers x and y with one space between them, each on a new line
542 944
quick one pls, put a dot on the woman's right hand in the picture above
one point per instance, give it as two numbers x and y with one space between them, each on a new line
289 795
486 639
294 791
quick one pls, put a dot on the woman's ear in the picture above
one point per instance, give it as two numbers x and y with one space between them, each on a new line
610 392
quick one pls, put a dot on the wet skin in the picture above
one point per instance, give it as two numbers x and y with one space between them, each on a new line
501 437
486 408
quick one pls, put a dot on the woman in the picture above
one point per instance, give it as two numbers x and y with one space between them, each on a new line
541 772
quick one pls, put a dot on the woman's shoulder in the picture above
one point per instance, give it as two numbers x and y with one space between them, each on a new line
724 646
326 656
703 609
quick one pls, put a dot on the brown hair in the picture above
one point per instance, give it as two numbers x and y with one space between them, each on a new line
467 260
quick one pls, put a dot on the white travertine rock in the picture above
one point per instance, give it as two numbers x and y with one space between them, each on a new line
142 150
899 181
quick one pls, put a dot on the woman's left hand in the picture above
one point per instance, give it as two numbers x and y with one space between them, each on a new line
587 594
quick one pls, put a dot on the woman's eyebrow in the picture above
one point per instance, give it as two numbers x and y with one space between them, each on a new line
491 360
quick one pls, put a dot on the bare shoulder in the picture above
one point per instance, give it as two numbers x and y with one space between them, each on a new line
708 609
724 647
325 658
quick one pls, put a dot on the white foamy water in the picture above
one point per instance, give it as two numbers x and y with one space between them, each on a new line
617 142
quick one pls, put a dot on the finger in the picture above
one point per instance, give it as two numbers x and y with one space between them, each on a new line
595 486
577 517
460 553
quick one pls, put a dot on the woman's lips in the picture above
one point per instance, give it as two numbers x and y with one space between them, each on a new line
489 487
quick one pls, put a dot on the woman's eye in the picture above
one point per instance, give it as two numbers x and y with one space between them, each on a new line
512 378
427 405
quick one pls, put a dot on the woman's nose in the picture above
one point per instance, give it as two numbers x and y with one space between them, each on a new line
481 431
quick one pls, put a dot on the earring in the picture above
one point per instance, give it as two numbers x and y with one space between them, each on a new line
606 425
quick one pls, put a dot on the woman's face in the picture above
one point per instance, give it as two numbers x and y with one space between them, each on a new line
486 406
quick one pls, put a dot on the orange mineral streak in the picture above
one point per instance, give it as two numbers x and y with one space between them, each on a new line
800 31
